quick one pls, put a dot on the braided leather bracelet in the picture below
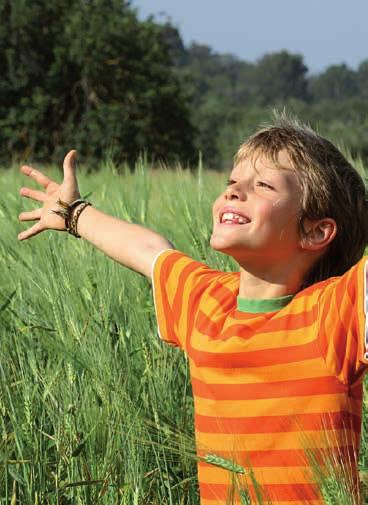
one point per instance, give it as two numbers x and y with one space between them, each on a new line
72 229
71 218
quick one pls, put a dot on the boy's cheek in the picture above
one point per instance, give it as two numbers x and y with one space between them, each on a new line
216 209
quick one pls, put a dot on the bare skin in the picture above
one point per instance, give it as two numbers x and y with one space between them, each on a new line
129 244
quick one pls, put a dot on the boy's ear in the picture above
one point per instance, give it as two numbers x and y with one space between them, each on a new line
318 234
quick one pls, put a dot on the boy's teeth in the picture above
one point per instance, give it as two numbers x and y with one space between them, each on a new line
230 217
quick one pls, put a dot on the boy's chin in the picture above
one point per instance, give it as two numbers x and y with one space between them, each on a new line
220 241
216 243
220 245
234 250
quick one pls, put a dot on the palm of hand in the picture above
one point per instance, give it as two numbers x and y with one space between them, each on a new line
67 191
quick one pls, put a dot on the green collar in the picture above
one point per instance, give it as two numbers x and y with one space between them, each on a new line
255 306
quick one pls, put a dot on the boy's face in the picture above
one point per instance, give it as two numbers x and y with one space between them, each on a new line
256 218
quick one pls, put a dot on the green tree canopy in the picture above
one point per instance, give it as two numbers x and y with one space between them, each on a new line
336 83
88 74
280 76
362 79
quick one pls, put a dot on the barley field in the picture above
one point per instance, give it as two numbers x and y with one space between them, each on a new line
94 409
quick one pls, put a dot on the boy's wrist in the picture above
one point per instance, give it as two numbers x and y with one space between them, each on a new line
70 212
75 213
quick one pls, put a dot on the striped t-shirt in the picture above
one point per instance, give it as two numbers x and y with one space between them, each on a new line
274 386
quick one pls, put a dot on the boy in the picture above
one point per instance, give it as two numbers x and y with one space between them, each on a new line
277 351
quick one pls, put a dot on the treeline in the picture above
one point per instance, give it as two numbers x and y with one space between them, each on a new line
229 97
89 74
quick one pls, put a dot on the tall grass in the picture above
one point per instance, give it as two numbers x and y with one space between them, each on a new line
90 398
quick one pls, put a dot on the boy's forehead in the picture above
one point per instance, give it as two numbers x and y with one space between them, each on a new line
259 162
281 171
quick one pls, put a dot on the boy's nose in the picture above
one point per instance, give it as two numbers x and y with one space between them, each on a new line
233 192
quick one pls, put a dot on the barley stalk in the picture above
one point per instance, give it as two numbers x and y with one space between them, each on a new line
226 464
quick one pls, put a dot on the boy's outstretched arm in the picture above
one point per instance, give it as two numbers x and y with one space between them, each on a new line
129 244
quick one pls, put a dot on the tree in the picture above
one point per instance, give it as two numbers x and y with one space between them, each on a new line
88 74
337 82
279 76
173 40
362 79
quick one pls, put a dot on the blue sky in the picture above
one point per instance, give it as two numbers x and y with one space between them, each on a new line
326 32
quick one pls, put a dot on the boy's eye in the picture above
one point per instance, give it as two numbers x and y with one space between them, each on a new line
229 182
263 184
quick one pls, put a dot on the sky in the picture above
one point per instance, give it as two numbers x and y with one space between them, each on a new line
325 32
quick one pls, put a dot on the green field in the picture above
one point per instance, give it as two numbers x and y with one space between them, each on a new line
93 407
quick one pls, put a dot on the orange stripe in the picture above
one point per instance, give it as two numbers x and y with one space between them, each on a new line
170 311
269 458
311 368
254 358
358 316
225 295
222 329
180 286
323 336
186 286
258 441
237 501
284 492
329 326
339 329
283 406
274 424
164 314
211 474
280 389
284 457
266 338
342 321
191 284
208 327
285 318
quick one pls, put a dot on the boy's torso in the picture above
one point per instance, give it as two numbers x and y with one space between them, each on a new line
276 392
265 399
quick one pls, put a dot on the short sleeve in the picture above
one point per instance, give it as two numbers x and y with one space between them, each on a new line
343 325
179 283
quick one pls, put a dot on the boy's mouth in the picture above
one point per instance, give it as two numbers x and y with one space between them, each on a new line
228 216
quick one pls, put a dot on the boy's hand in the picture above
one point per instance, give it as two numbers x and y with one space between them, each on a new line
129 244
67 191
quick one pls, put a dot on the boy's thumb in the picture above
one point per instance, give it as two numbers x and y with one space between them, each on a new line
69 165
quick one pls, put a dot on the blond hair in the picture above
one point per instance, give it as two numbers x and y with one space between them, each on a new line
331 187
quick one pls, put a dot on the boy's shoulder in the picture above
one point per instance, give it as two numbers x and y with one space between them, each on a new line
178 268
354 278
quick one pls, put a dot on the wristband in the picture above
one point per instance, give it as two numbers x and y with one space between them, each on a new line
71 218
72 229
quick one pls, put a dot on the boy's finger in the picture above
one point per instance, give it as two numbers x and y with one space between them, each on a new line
69 165
30 216
38 176
34 194
31 232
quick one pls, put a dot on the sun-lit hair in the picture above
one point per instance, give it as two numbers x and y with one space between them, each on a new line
331 187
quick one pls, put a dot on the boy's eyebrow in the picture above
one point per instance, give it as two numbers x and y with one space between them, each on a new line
276 176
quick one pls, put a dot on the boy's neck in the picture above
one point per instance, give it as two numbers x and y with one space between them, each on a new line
270 284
